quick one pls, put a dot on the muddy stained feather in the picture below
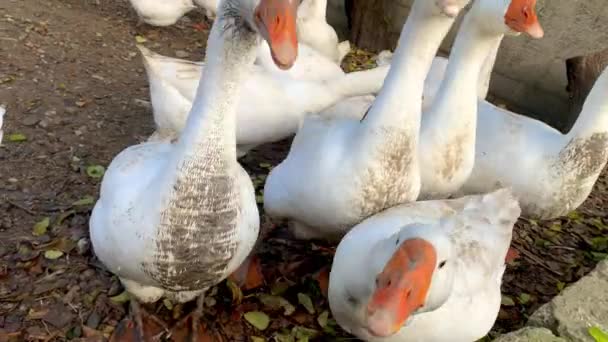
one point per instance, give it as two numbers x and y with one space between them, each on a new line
453 157
395 159
582 159
197 236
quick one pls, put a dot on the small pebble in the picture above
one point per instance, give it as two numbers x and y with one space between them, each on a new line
71 110
30 120
87 274
83 246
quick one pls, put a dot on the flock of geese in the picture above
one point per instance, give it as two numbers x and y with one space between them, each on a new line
406 165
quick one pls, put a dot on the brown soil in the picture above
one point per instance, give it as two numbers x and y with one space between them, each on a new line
76 90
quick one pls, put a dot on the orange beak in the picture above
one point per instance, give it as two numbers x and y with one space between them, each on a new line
276 21
521 17
402 287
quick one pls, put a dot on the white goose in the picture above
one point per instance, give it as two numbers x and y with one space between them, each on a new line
175 219
448 129
424 271
273 103
338 172
550 173
314 30
161 12
447 134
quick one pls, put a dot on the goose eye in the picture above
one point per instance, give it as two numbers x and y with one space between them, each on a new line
441 264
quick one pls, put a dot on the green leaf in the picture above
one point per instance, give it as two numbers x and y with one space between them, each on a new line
598 334
257 339
575 216
556 227
17 137
322 319
53 254
86 200
95 171
41 226
303 333
265 165
598 256
278 337
259 199
258 319
507 301
121 298
597 223
63 216
599 243
560 286
276 303
306 302
140 39
279 288
524 298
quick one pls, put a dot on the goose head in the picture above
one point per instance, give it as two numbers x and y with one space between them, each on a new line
273 20
417 277
517 16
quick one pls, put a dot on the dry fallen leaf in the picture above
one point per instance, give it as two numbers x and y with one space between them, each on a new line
276 303
86 200
237 294
322 319
507 301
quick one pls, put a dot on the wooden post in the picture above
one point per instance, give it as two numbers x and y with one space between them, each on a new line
369 27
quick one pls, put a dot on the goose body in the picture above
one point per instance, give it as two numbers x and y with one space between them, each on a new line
174 219
550 173
338 172
447 255
273 104
161 12
313 30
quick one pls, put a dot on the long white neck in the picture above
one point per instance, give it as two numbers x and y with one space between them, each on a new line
455 106
486 71
399 102
594 116
200 193
211 124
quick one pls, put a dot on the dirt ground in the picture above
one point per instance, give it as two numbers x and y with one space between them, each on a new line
76 94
